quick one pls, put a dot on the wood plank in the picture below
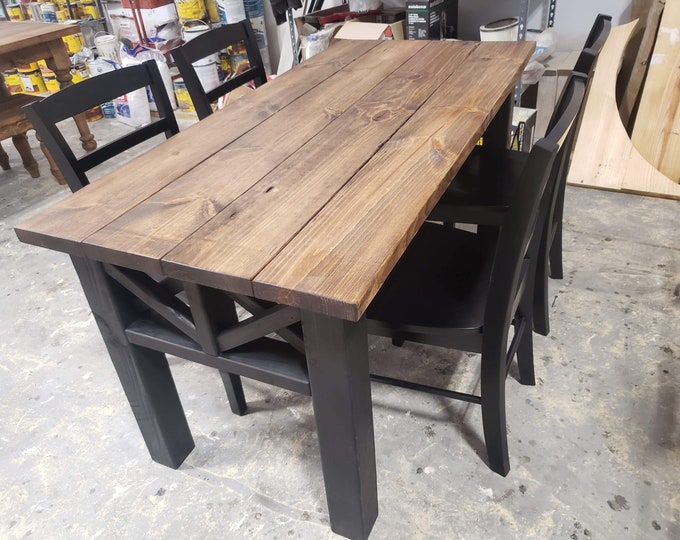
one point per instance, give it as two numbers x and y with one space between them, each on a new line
642 57
164 220
66 224
335 244
656 133
604 156
243 238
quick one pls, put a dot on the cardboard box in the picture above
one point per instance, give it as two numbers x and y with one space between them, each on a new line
371 30
431 19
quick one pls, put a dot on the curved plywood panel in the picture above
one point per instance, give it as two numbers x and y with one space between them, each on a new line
604 156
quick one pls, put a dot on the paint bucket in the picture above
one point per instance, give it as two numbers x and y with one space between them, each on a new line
213 11
34 11
51 82
107 46
231 11
74 43
79 72
32 81
190 9
208 73
14 12
182 94
49 12
13 81
500 30
89 8
192 29
62 15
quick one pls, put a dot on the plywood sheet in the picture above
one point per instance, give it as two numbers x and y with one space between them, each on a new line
604 156
656 134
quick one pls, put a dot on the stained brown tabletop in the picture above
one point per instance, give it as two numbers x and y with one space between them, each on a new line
307 191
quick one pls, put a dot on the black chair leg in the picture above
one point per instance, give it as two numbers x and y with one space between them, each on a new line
556 270
541 309
525 358
234 387
398 342
493 410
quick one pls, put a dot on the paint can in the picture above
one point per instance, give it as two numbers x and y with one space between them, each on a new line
49 12
74 42
89 8
14 12
79 72
51 82
213 11
182 94
190 9
34 11
13 81
32 81
193 28
62 15
500 30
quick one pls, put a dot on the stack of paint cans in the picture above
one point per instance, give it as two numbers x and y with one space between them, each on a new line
31 78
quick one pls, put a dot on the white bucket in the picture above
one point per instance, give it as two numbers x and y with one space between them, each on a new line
501 30
192 29
108 47
207 74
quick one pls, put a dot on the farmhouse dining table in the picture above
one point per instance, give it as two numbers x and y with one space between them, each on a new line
24 42
295 202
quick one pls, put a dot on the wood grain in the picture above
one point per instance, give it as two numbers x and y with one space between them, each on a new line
334 267
249 233
103 201
161 222
641 61
312 185
656 133
604 156
26 40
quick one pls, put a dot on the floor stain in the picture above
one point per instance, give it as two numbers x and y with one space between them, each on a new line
619 503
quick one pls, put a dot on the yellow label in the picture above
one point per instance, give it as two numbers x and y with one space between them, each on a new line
51 83
14 84
15 13
74 43
90 9
33 82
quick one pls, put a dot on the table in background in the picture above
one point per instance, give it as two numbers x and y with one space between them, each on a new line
304 193
24 42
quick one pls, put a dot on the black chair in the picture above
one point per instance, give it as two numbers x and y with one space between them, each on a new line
45 114
594 43
481 193
462 290
210 43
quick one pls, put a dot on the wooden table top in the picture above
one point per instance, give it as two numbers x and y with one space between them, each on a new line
23 34
306 191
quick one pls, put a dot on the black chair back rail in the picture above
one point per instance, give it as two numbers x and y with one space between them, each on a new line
76 99
210 43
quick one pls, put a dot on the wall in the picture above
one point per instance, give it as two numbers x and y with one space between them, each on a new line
573 19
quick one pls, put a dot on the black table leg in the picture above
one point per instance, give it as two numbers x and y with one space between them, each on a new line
497 135
337 356
144 374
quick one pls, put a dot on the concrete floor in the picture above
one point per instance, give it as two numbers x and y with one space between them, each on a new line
595 446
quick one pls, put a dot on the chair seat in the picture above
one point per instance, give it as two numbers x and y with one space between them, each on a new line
481 191
448 291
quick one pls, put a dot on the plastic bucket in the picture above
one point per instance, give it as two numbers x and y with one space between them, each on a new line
192 29
500 30
108 47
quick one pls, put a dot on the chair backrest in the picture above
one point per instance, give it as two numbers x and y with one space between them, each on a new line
78 98
573 95
594 43
212 42
524 222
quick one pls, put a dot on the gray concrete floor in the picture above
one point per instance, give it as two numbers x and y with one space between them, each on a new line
595 445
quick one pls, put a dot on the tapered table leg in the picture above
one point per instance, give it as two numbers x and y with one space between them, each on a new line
143 373
337 357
